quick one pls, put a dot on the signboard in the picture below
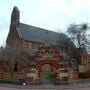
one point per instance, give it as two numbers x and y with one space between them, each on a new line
32 75
82 68
63 74
88 58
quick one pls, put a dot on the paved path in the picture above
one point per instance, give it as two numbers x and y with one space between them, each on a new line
7 88
46 87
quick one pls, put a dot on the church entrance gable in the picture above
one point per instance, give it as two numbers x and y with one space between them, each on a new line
47 72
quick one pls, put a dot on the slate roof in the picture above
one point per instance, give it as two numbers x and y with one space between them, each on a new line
39 35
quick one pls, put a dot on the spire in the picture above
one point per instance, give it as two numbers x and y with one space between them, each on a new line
15 9
15 16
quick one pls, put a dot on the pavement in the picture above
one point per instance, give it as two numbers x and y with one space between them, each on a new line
74 86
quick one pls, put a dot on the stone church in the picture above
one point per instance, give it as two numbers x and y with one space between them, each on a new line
51 55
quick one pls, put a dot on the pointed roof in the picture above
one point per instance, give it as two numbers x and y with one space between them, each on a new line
15 9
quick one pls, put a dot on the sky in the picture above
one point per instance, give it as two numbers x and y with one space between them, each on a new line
55 15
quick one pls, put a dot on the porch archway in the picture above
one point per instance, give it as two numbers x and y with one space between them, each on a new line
47 71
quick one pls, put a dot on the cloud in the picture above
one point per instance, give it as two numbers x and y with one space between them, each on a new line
70 9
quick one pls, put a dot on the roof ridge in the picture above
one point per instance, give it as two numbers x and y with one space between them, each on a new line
40 35
40 28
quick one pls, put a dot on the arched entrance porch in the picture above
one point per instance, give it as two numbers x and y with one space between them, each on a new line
47 71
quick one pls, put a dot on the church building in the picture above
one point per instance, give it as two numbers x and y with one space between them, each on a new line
51 55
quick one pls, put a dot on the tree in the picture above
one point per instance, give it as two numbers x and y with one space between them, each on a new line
66 43
11 57
78 34
8 55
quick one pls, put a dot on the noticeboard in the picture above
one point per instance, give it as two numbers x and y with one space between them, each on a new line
82 68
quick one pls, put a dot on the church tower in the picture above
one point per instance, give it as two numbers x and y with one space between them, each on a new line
14 26
15 17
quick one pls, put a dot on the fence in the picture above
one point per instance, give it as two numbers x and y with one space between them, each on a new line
9 76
